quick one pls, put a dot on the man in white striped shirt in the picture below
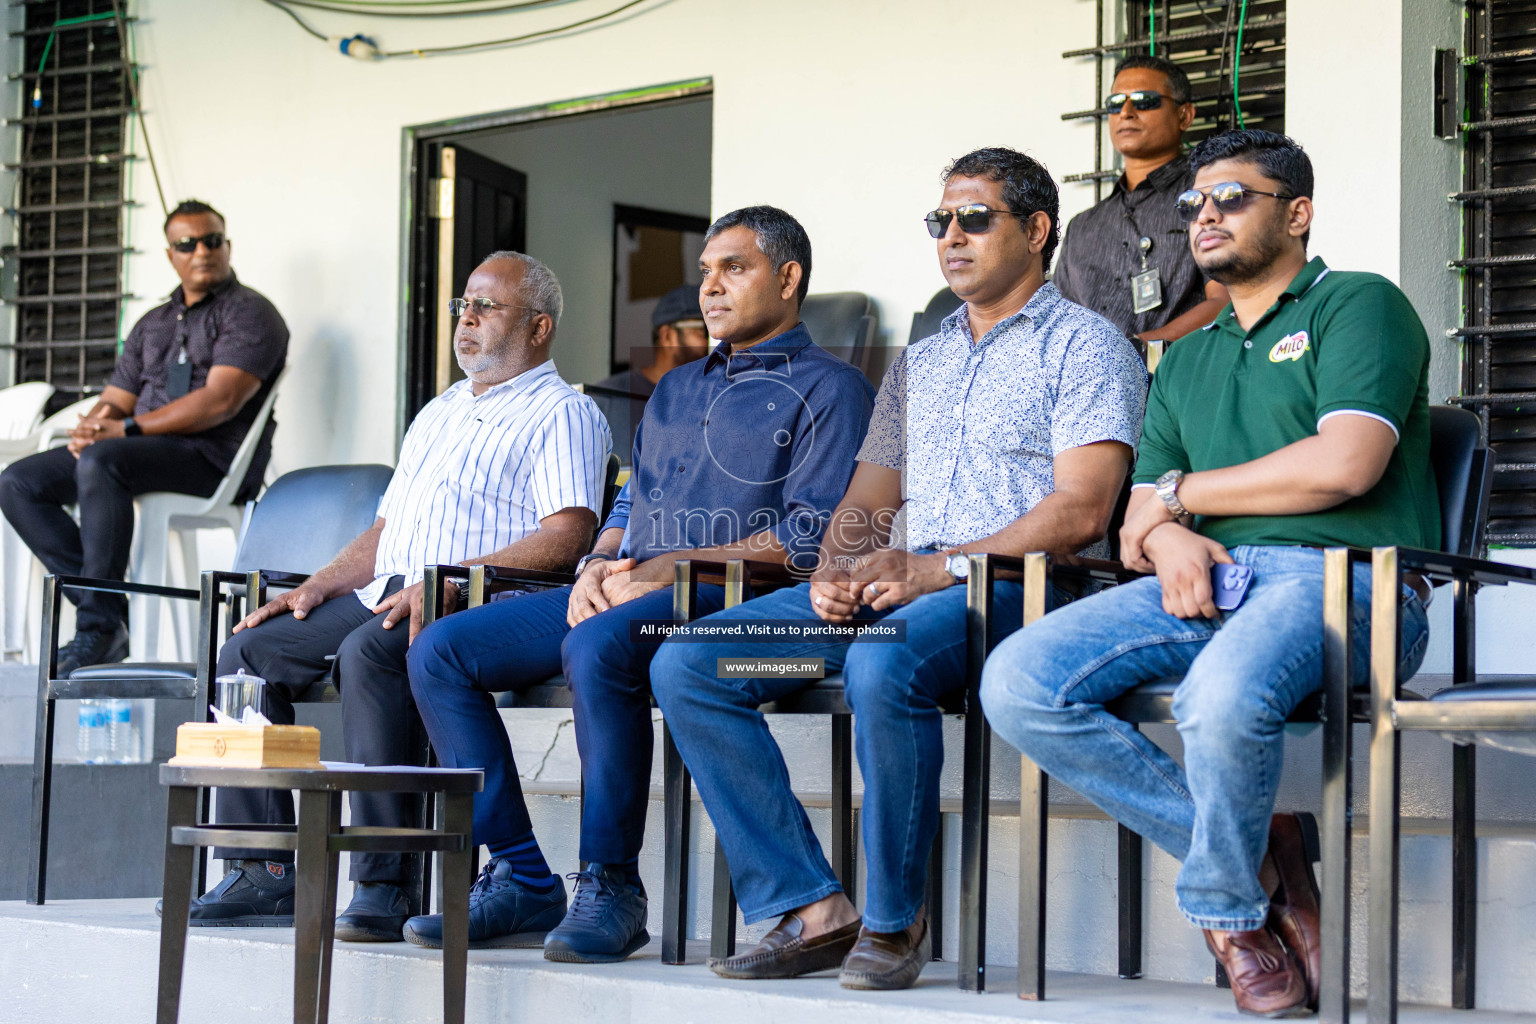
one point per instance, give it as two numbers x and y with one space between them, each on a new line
504 468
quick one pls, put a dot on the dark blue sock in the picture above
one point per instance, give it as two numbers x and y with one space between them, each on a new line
529 868
631 869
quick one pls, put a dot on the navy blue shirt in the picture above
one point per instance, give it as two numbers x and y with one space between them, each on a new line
738 443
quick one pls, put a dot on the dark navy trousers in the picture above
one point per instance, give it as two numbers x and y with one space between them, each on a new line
459 661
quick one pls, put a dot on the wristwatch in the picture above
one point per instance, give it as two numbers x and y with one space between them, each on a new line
958 564
131 428
1168 490
587 560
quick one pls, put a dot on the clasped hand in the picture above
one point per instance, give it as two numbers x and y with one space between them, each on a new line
91 429
886 579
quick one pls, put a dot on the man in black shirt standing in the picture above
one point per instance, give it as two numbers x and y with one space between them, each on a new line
1127 258
191 377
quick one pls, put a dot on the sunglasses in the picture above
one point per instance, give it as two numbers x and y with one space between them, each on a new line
1141 99
212 240
974 219
1229 197
483 305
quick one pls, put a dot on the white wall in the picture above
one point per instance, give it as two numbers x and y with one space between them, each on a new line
656 157
842 113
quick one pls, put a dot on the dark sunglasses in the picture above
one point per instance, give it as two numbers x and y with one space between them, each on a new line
1229 197
213 240
1141 99
974 219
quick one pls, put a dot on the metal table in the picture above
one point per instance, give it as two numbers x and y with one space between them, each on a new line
317 842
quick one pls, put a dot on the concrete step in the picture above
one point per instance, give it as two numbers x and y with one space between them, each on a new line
97 960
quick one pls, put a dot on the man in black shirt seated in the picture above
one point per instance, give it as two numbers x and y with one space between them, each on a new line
1127 258
678 336
191 378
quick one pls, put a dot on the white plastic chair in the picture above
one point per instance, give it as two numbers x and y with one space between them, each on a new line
21 413
161 513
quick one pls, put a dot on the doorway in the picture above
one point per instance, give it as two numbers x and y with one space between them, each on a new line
546 181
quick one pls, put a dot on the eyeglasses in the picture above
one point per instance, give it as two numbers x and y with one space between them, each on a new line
212 240
1229 197
1141 99
974 219
456 307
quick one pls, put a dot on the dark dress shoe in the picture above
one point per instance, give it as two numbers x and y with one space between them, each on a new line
93 647
1294 898
1265 980
785 953
377 913
886 960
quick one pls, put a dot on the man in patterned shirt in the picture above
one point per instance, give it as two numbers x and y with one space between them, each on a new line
504 468
1009 431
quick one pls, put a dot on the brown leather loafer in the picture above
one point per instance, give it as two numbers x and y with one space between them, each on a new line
1294 898
785 953
886 960
1265 980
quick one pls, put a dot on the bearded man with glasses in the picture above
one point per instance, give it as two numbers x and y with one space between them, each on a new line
1126 258
506 467
191 377
1011 430
1297 420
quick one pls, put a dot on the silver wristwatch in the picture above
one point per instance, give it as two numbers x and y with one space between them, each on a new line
958 564
1168 490
587 560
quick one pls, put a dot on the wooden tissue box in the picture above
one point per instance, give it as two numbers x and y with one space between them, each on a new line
214 745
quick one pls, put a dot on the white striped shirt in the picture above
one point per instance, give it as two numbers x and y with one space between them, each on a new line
478 472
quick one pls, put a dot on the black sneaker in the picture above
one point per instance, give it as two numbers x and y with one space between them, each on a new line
377 913
502 913
255 894
606 922
93 647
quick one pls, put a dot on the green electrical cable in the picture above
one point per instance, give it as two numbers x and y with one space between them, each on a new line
1237 63
1152 27
62 23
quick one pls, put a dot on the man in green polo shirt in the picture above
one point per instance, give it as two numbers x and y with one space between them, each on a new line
1298 419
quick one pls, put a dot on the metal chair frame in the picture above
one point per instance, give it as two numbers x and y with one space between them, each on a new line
1394 710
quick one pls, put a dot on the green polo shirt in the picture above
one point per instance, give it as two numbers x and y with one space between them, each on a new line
1333 342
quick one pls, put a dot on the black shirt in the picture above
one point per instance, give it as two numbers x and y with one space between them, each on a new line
230 326
623 413
1101 251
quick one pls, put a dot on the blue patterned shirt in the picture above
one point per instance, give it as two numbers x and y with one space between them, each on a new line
974 427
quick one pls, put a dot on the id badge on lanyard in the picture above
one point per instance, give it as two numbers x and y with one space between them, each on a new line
1146 286
178 377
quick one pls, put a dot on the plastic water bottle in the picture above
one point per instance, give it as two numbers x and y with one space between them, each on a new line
91 740
122 732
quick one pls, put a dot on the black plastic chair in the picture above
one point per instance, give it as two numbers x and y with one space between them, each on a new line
1464 474
1496 711
302 520
926 323
843 322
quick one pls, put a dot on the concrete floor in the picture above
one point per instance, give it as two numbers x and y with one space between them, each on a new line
84 960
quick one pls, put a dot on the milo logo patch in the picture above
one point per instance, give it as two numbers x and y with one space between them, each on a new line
1289 347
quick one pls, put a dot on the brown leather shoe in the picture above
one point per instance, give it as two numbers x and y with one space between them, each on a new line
783 953
1265 980
1294 915
886 960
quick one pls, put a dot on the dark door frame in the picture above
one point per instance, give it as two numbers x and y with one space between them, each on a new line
415 198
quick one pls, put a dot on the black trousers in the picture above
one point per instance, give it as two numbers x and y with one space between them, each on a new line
36 490
378 717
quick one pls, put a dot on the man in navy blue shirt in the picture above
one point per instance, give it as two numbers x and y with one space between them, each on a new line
742 454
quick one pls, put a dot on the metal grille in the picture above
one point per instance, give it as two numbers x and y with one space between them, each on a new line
1201 36
67 259
1498 262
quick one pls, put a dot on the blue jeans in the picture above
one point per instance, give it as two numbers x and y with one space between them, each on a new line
1044 690
457 662
893 688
